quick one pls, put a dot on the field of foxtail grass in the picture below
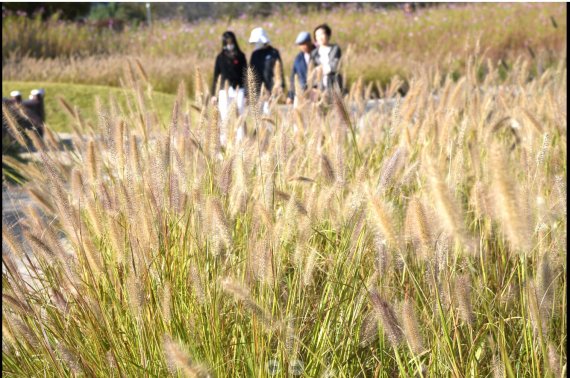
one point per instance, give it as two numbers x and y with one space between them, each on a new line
428 240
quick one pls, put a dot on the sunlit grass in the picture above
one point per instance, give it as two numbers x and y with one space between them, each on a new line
428 240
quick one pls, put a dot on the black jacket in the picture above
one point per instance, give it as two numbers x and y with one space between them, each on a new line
263 62
231 69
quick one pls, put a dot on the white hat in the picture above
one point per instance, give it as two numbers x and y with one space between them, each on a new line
258 35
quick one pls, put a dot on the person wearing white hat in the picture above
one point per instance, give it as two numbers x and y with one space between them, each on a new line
263 61
259 38
301 63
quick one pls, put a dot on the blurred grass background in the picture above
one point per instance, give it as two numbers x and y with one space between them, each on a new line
377 43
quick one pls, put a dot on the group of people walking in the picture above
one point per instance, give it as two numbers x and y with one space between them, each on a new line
231 65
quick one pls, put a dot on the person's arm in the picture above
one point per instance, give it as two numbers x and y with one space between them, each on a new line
242 70
216 74
315 57
281 67
252 64
335 58
291 93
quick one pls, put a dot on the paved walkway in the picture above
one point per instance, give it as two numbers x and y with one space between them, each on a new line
13 199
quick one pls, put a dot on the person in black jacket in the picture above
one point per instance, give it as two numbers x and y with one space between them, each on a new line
263 61
230 69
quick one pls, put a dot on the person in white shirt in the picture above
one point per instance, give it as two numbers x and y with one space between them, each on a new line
327 56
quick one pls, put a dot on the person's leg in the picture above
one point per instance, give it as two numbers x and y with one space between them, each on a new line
240 133
223 104
265 107
240 105
232 97
241 101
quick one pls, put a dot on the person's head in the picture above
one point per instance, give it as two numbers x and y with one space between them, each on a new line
306 47
229 42
322 34
259 37
409 8
304 42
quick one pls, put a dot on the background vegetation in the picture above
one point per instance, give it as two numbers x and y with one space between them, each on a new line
83 97
377 43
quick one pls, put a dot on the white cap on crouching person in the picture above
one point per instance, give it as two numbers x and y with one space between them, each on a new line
36 93
302 38
258 35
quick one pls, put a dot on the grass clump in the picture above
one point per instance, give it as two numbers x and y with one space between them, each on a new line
314 244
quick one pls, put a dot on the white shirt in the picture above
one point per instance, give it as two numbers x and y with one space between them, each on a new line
324 58
307 58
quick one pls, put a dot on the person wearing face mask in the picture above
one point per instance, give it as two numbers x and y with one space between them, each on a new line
301 64
263 61
327 56
230 69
